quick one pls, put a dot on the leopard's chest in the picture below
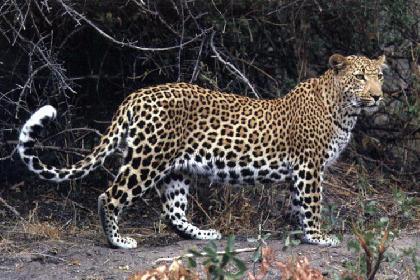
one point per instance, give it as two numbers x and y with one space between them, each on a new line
340 138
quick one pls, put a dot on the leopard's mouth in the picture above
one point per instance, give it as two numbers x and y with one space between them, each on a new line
367 103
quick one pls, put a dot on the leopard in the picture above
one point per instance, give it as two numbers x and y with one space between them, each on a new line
170 134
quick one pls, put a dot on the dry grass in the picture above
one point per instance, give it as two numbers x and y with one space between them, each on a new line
175 271
34 227
234 210
7 245
293 269
347 187
43 230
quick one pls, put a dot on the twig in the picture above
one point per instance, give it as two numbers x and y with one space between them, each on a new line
201 207
365 247
78 151
11 208
196 70
230 66
27 84
381 250
9 156
157 14
49 256
76 129
337 186
259 70
371 270
108 172
78 205
382 164
180 43
44 54
203 254
44 17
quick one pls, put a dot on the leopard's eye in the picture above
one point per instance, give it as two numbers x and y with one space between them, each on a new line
360 76
380 76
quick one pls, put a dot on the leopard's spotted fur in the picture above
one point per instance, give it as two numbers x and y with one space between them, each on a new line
172 131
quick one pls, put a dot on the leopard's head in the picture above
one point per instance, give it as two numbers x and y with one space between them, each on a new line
359 79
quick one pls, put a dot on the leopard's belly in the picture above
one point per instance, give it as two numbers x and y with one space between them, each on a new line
221 170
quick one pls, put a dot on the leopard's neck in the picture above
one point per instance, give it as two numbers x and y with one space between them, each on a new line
343 115
336 102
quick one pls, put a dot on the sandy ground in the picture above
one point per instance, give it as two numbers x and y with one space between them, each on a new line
90 258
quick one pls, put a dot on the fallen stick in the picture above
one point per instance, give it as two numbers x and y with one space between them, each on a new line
203 254
49 256
11 208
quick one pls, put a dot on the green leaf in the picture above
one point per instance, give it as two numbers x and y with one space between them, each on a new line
213 246
239 264
257 255
383 221
230 242
225 260
353 245
287 241
192 263
210 251
295 242
266 236
370 207
207 262
194 252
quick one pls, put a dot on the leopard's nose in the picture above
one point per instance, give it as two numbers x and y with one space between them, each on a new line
376 97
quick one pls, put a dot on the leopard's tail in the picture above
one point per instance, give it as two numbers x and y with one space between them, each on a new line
27 139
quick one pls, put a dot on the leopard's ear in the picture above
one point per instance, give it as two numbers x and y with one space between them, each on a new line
382 61
337 62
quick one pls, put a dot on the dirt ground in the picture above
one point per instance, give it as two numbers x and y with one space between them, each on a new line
89 257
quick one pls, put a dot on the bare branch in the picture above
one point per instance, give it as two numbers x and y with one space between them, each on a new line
197 62
78 17
231 67
11 208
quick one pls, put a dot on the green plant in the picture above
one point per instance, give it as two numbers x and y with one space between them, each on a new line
220 266
405 204
261 242
329 217
290 240
370 245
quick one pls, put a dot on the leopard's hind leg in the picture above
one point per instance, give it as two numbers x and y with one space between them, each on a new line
174 204
110 206
139 173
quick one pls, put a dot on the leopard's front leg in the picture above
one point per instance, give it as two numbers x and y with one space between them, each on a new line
307 197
